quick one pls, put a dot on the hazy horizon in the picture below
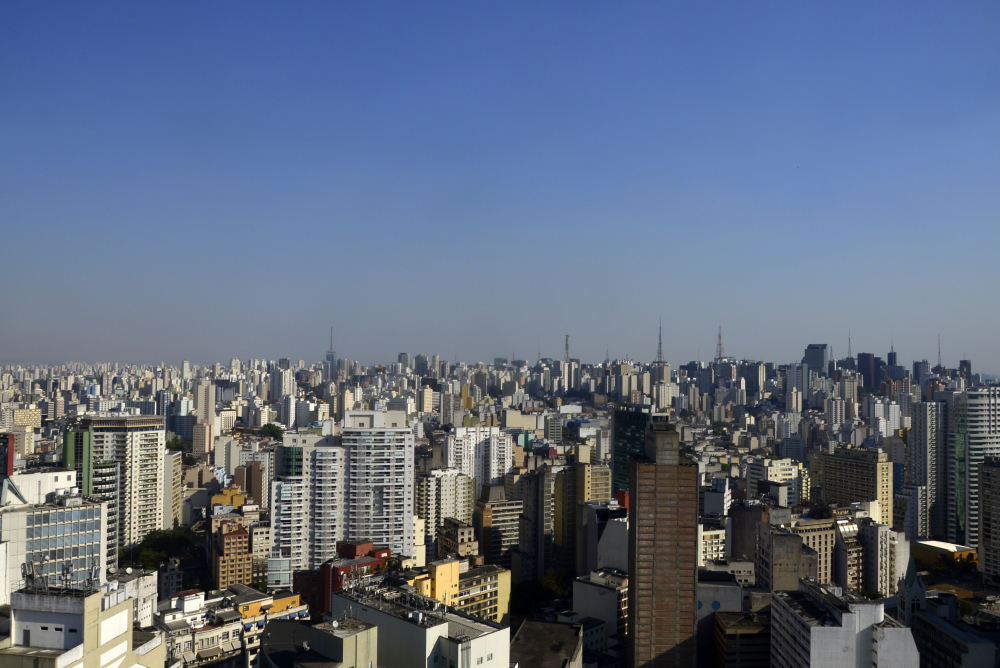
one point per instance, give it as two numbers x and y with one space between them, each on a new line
208 181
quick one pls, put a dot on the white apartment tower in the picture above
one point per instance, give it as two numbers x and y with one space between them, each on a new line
973 433
485 454
358 486
379 495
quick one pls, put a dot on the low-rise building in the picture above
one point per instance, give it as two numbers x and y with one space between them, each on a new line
140 585
416 632
455 537
603 594
820 625
483 591
344 643
86 627
202 627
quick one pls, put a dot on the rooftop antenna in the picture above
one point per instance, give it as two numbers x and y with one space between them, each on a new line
607 354
567 349
659 344
939 350
848 343
720 352
331 339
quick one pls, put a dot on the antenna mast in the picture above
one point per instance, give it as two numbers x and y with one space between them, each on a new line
939 350
849 343
720 352
567 349
659 344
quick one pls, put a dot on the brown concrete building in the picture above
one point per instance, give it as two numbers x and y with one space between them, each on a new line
458 538
663 532
232 558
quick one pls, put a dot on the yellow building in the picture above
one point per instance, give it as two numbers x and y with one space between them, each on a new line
230 496
936 553
483 591
858 475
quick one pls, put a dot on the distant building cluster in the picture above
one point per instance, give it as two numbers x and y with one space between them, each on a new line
271 514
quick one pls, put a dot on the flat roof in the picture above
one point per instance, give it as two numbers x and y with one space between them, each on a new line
941 546
545 644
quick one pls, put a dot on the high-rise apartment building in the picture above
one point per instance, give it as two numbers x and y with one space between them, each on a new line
973 433
925 454
852 475
494 518
534 553
663 532
136 444
173 490
358 487
440 494
282 384
485 454
989 517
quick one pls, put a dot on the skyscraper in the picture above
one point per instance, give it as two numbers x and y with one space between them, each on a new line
925 454
663 531
359 487
972 421
628 437
866 369
137 445
816 357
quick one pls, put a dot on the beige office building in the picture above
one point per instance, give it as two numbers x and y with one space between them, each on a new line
858 475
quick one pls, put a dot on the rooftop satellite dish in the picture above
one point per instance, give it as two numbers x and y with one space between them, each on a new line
335 624
128 571
112 570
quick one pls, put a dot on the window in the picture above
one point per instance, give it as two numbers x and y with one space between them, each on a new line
72 630
479 660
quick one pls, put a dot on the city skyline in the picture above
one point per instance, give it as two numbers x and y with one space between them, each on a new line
704 354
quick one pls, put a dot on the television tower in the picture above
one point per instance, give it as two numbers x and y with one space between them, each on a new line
720 352
659 345
567 349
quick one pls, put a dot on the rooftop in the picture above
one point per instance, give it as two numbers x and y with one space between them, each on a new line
941 546
545 644
287 644
404 604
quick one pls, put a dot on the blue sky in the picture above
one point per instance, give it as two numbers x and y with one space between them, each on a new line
207 180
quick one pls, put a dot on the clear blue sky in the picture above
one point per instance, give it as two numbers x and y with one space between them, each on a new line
208 180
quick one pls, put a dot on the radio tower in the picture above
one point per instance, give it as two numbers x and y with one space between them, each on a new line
659 344
567 349
720 352
939 351
849 343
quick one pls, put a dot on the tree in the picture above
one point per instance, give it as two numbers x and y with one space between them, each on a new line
160 544
271 430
